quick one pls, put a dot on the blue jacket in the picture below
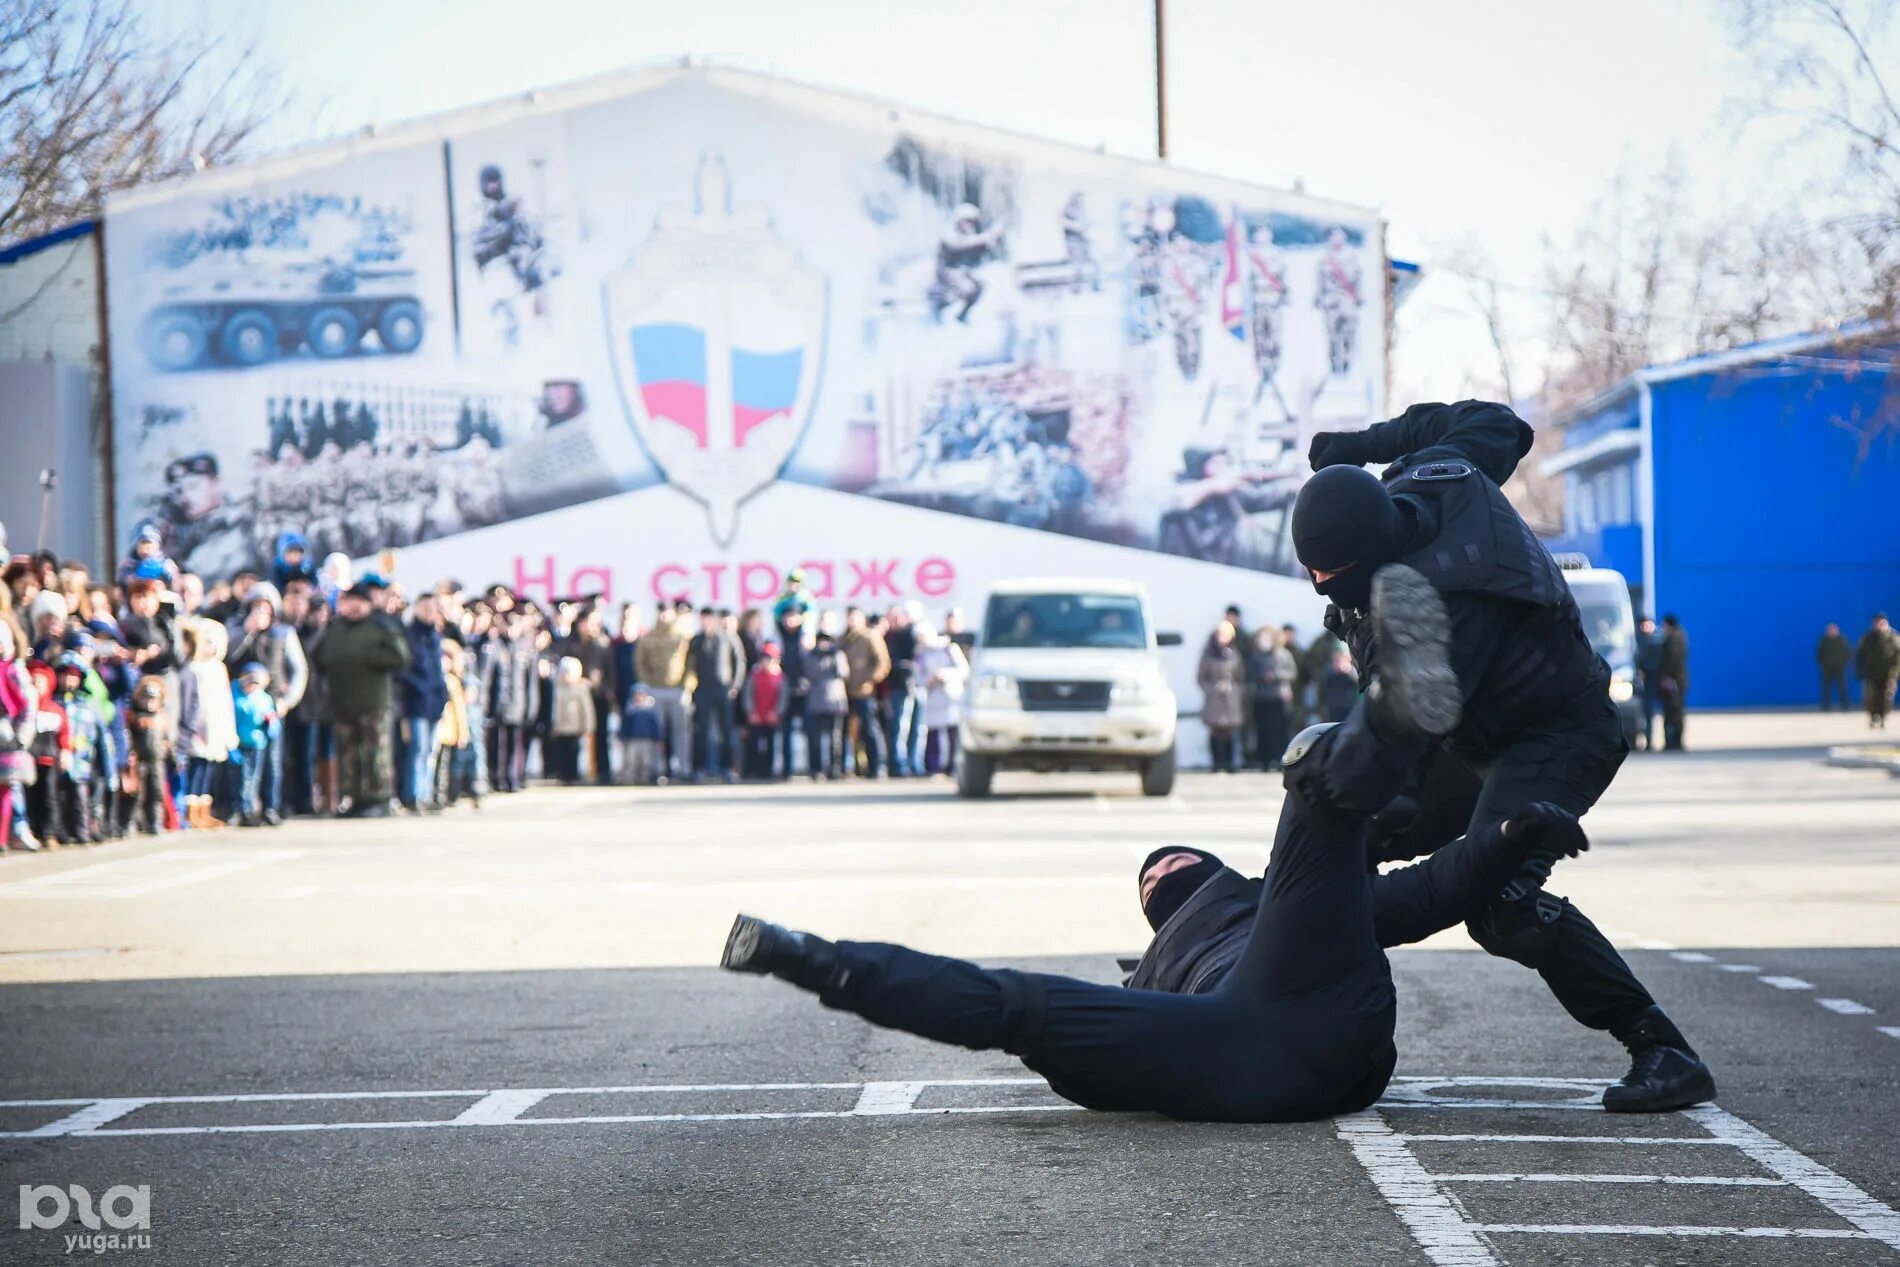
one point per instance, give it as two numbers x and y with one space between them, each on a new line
93 753
256 714
640 723
425 692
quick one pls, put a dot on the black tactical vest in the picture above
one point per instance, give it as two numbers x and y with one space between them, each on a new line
1195 950
1483 545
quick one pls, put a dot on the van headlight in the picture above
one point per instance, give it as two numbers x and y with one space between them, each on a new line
995 690
1134 690
1622 690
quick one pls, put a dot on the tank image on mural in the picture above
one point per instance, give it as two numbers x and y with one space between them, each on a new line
269 278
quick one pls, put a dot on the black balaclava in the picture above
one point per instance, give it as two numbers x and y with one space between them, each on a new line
1344 521
1176 887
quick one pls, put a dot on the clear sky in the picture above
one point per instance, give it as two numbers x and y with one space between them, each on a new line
1497 119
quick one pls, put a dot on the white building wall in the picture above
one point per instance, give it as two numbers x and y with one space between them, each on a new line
50 321
49 305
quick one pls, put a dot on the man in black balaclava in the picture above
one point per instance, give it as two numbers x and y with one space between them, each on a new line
1202 911
1537 721
1299 1025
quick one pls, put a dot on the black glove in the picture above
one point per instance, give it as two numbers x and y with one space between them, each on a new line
1336 448
1545 833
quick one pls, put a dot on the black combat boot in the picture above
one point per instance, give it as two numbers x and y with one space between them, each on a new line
809 962
1413 691
1665 1073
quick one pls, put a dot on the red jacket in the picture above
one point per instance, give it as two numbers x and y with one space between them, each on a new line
53 735
765 694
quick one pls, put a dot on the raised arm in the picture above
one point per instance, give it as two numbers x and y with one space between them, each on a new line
1486 434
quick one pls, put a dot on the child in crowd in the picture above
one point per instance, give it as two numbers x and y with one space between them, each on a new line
762 702
18 713
52 755
459 735
826 702
571 728
641 731
149 723
255 715
206 721
89 748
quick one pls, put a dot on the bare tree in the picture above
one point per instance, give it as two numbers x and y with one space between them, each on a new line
91 101
1828 68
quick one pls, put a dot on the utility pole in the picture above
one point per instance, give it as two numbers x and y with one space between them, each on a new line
1161 78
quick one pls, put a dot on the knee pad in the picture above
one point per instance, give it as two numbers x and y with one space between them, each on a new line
1522 928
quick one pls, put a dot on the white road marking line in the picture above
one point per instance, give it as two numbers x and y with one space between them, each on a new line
887 1097
498 1108
1831 1190
1434 1217
1691 956
1437 1220
1846 1007
1637 1229
1652 943
1719 1181
1736 967
1891 1031
1645 1140
87 1120
1786 983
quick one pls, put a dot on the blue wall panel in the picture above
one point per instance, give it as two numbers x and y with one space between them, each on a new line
1777 510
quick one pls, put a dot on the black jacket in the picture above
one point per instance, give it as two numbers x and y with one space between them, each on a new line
1517 642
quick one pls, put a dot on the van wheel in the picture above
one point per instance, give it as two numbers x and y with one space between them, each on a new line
973 776
1157 774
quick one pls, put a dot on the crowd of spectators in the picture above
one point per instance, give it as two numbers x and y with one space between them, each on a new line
151 701
1259 689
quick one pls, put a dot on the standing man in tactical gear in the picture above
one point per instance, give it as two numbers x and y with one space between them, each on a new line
1538 724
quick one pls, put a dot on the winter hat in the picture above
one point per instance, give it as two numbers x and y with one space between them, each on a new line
69 662
47 603
253 669
265 592
78 639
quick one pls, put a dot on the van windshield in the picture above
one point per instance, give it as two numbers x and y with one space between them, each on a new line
1065 620
1607 624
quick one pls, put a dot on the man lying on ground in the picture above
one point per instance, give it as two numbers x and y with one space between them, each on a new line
1300 1027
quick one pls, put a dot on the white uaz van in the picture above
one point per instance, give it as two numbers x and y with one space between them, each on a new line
1065 676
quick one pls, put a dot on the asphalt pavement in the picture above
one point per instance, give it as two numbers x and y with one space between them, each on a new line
499 1039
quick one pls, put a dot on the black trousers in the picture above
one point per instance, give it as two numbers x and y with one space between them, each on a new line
1271 730
603 742
1301 1029
1833 684
1571 768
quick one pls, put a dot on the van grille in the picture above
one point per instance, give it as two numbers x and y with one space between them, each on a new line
1063 697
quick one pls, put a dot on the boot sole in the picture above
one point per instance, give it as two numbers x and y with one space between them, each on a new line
742 945
1417 686
1701 1090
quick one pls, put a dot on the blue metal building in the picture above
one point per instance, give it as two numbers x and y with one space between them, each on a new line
1755 494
